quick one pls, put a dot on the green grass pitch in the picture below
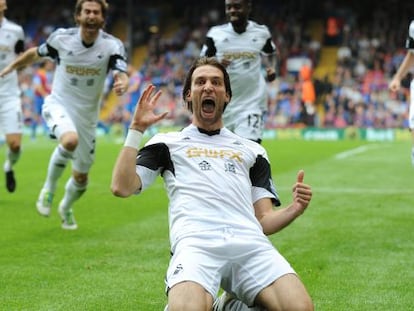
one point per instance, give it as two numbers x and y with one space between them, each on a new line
353 247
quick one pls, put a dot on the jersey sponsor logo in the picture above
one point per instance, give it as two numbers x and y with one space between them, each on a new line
83 71
4 48
238 55
215 153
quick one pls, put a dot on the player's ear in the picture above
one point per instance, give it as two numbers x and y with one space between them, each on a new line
188 101
228 97
226 101
188 95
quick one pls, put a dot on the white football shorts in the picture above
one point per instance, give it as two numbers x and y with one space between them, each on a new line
244 264
59 122
11 116
249 126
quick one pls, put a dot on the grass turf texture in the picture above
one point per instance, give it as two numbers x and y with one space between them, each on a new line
353 247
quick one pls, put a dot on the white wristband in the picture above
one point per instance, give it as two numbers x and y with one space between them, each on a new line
133 139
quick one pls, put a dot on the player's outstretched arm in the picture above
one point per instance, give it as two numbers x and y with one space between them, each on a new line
28 57
125 181
407 63
270 62
121 83
273 221
144 114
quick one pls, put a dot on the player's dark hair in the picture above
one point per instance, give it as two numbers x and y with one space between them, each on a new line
203 61
79 3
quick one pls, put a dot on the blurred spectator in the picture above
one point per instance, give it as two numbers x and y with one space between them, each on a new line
42 82
370 51
308 96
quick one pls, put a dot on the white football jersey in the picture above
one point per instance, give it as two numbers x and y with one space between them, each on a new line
245 51
409 43
410 46
81 70
211 180
11 44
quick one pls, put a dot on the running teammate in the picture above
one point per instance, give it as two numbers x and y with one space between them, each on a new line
212 176
395 84
11 116
83 56
243 47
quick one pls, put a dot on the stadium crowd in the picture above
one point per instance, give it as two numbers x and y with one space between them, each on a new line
369 40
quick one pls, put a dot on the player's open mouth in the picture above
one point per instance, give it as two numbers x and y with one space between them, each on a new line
208 105
91 26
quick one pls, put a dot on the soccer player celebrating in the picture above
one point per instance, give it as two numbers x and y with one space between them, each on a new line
395 83
11 117
83 56
242 46
221 198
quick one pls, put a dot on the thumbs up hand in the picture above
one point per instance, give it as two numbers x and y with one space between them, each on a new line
302 193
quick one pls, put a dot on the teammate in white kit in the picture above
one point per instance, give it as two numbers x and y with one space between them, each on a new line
221 198
395 84
11 117
83 55
243 46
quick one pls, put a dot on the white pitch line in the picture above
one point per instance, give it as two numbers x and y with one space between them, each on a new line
317 189
364 190
340 190
358 150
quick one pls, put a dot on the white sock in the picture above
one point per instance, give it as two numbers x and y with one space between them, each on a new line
73 191
412 155
11 159
57 165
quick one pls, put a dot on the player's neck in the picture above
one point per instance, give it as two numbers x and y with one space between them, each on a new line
239 28
88 38
206 127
